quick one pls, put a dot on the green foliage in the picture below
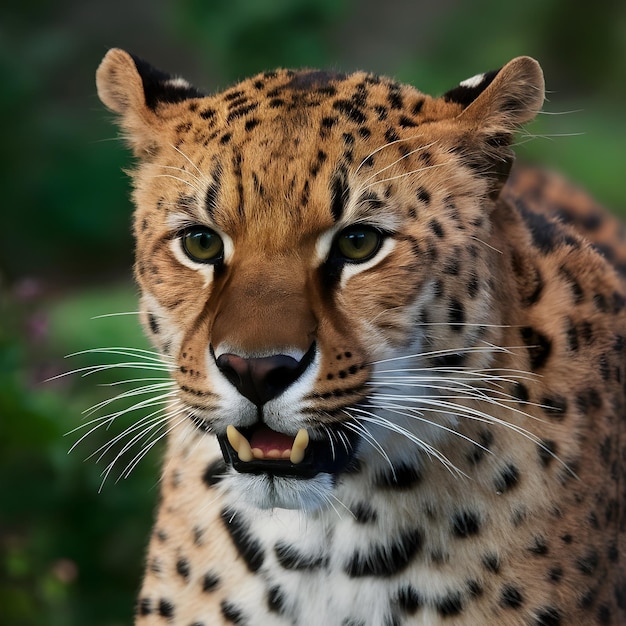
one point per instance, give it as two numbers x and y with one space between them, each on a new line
246 37
71 553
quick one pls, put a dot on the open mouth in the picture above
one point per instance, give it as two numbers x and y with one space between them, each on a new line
261 450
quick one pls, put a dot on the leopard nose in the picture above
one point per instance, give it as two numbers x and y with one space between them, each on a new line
262 379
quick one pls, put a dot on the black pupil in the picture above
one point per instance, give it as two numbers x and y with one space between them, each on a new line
204 240
357 239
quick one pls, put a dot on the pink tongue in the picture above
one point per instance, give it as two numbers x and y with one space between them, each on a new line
267 439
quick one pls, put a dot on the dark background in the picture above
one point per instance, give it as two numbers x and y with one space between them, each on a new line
70 552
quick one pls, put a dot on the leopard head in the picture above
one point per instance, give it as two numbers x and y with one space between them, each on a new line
312 254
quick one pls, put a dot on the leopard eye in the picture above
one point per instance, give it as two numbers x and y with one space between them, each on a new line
358 243
203 245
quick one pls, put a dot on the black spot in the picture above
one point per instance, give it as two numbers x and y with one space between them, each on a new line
290 558
210 582
214 472
350 110
391 135
465 524
520 391
532 285
587 400
507 479
275 600
436 227
416 109
588 563
477 453
248 547
539 546
408 600
491 562
511 597
577 291
326 124
144 606
603 366
539 346
154 325
545 233
555 574
225 138
364 513
548 616
475 588
451 604
423 195
232 613
386 560
340 193
555 407
452 266
473 286
183 568
252 123
604 614
401 477
166 608
242 110
547 450
208 114
456 315
407 122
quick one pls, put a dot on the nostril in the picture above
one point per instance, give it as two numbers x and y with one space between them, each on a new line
234 368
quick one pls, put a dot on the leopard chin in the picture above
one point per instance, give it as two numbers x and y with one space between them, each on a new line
269 491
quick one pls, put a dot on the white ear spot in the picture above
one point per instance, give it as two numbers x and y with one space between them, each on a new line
472 82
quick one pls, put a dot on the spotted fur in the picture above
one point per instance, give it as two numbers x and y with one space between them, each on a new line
463 387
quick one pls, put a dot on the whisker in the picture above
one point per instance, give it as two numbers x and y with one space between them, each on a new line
386 145
404 175
202 176
148 355
404 156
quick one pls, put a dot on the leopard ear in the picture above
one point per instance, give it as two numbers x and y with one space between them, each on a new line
137 92
495 105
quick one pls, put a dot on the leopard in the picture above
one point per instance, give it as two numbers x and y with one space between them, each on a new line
396 357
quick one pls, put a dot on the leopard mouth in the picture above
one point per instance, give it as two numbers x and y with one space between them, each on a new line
261 450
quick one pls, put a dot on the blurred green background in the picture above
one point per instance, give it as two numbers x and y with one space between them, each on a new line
70 552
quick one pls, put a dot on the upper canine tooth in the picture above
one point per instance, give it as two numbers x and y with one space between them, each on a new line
239 443
299 446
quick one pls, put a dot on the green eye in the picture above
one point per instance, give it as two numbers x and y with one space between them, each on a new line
203 245
359 243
